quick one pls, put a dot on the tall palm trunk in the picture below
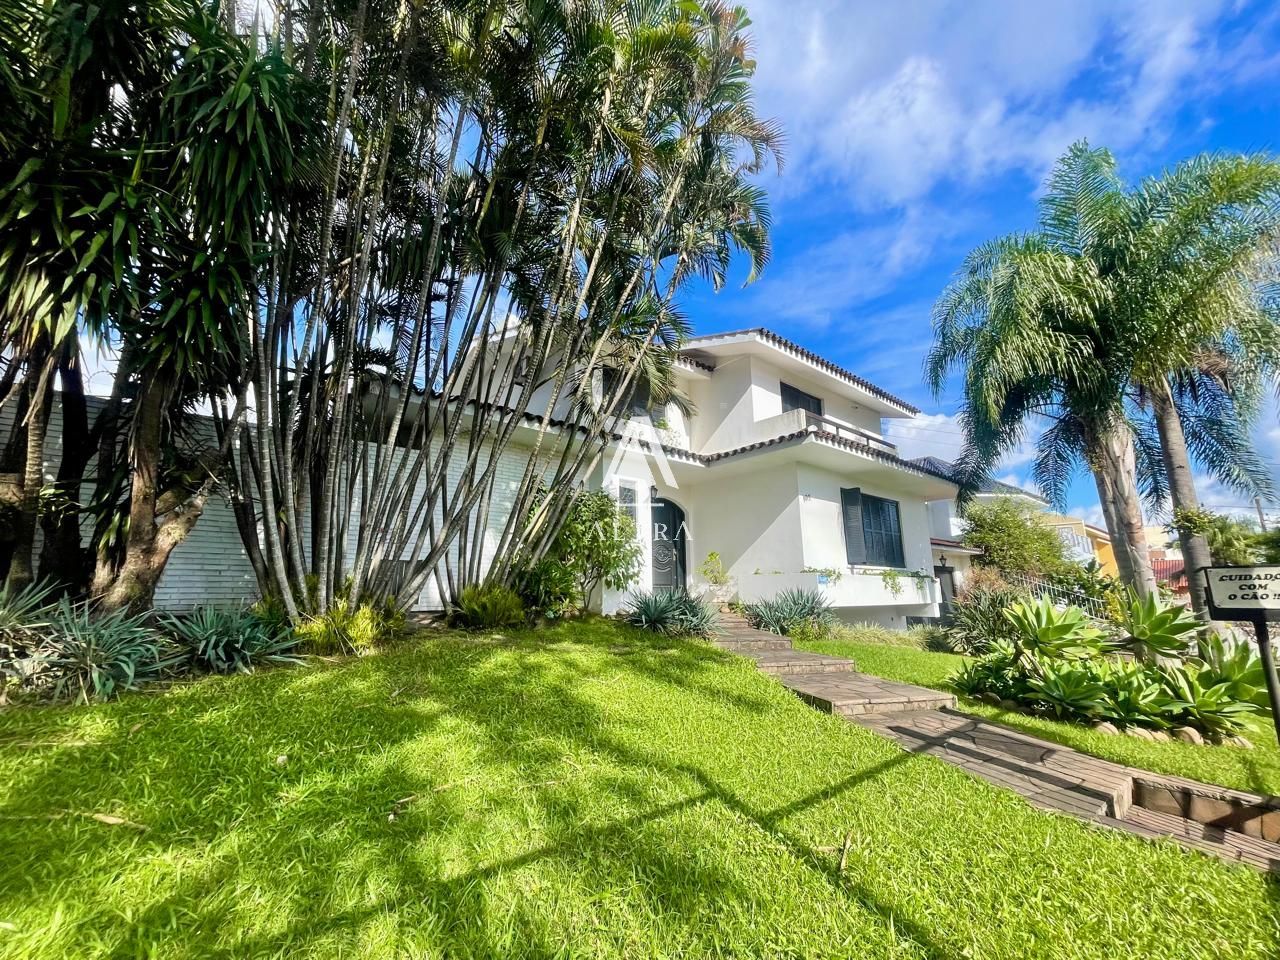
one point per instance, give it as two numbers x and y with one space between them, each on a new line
1182 491
1114 467
62 558
21 568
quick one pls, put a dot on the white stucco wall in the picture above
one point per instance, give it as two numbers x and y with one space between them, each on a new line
752 521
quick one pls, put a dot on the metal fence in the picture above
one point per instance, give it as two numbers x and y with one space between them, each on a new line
1057 595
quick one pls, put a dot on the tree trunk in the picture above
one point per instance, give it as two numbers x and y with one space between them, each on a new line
62 557
21 569
1115 469
1182 491
133 585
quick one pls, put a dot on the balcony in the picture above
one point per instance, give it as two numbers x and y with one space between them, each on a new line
792 422
1077 545
849 432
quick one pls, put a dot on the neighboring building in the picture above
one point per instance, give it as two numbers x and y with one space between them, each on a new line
1083 541
783 470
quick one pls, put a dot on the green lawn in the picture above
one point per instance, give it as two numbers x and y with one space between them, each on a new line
1256 770
579 792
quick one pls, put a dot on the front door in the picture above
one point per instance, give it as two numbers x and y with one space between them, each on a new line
947 583
668 546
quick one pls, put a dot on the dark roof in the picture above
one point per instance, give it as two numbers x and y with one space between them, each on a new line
1172 572
938 465
707 459
834 440
815 359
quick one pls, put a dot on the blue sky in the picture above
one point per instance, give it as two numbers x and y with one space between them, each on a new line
919 129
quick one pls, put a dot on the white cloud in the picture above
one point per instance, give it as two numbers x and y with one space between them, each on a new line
888 101
817 285
1089 513
940 435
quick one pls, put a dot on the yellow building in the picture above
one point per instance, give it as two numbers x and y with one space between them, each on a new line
1085 541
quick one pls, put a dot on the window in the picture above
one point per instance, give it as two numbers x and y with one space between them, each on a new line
637 404
627 502
793 399
882 532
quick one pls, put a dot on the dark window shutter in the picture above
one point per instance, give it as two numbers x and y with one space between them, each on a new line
855 546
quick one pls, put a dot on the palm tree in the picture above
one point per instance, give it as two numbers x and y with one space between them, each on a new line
1121 299
1199 235
1031 320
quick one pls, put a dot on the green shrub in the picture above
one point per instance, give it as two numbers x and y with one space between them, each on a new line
934 638
95 657
996 673
597 546
1013 538
345 628
672 613
1085 580
977 617
489 606
271 612
25 621
788 610
230 641
548 589
812 630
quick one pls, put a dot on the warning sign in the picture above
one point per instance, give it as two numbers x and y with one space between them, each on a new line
1247 591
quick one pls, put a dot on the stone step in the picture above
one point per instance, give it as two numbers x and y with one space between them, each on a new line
1224 844
749 643
859 694
787 663
1048 775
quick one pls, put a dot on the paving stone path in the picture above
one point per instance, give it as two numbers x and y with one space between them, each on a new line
1048 775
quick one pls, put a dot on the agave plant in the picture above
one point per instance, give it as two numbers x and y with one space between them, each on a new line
1069 690
1235 664
1210 708
1155 630
24 625
672 613
1133 695
1041 629
788 610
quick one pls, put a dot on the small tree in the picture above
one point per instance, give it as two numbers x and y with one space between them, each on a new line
1232 542
597 545
1013 539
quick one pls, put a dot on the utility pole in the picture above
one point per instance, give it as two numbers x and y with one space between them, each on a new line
1262 517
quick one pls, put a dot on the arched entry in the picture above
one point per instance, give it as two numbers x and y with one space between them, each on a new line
668 546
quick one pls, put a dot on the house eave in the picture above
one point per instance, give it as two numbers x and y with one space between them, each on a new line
849 383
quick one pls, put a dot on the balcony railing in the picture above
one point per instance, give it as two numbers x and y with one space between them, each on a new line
846 431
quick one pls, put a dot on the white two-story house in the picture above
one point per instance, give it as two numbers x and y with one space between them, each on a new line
782 470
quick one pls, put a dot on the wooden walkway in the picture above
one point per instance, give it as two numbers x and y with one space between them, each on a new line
1229 825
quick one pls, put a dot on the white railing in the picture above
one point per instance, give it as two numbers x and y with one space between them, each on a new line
1057 595
847 431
